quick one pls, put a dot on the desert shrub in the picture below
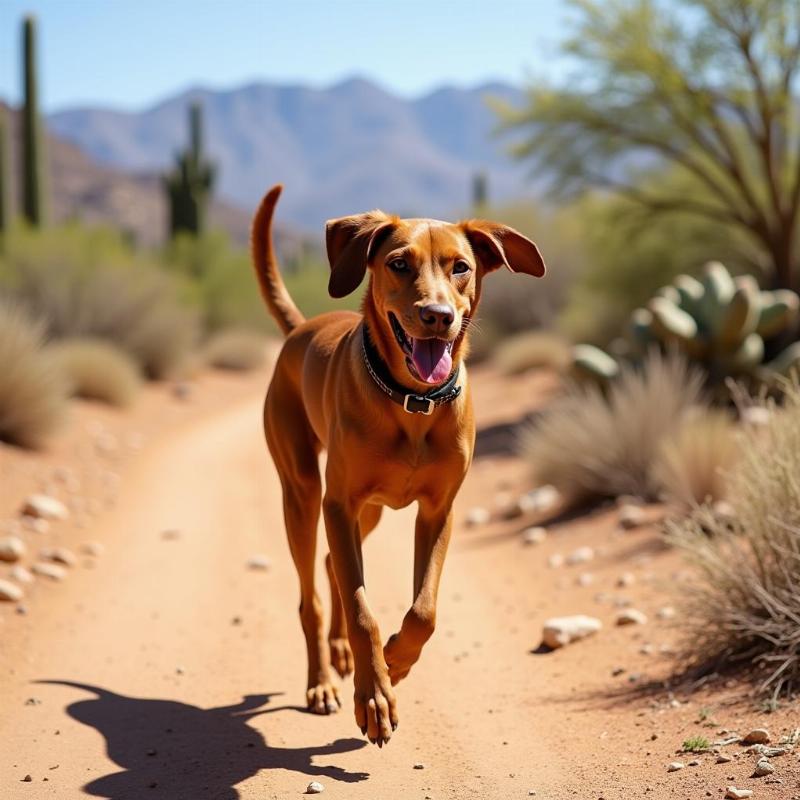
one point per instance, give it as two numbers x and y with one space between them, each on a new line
33 392
743 604
692 462
591 444
532 350
87 283
97 370
238 350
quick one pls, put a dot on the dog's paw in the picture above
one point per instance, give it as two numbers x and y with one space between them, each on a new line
399 658
376 709
323 699
341 656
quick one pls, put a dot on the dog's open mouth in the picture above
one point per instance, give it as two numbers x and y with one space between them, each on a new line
429 360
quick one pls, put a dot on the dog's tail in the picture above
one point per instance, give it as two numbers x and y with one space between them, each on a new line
273 289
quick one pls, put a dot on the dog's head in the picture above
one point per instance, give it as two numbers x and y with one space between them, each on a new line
425 282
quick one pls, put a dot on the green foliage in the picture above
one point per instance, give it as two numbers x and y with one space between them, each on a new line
696 744
88 283
719 322
236 350
5 175
33 160
189 185
707 86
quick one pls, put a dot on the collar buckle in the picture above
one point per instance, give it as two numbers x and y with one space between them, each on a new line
424 405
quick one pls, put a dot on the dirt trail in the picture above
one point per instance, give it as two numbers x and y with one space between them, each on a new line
172 671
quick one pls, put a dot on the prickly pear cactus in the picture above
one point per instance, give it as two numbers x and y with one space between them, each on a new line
725 324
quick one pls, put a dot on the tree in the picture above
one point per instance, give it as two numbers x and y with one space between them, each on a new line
709 86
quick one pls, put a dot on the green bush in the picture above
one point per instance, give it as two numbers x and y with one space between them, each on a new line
237 350
87 283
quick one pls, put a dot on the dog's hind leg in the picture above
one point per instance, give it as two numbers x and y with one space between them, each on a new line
341 654
295 451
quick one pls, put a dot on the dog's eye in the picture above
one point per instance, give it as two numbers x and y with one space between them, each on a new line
461 267
398 265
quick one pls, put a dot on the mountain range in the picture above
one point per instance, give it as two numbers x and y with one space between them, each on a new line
339 150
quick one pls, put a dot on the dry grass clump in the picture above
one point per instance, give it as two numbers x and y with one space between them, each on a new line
533 350
592 445
236 350
33 392
97 370
692 462
744 604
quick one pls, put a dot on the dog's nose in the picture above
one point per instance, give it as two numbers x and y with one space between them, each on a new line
438 316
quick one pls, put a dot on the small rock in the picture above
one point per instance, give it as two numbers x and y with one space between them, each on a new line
555 561
631 516
315 787
92 548
11 549
631 616
665 612
675 766
695 762
585 579
723 759
10 592
541 499
20 574
535 535
419 766
560 631
476 516
732 793
171 534
259 562
48 570
625 580
27 779
757 736
43 506
763 767
580 556
647 649
59 555
181 390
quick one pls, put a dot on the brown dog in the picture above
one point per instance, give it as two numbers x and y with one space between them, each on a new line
385 393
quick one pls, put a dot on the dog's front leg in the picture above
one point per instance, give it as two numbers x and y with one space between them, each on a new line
375 707
432 535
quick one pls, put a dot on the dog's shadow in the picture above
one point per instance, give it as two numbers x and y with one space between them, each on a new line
175 751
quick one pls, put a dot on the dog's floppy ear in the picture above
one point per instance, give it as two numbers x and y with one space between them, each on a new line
496 245
351 242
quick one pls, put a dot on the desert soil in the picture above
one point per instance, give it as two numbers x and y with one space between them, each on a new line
166 667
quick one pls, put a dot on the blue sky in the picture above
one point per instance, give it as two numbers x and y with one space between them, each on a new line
130 53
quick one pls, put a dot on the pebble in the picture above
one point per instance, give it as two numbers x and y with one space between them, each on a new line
20 574
555 561
625 580
92 548
732 793
580 556
419 766
631 516
666 612
675 766
723 759
11 549
43 506
259 562
585 579
763 767
27 779
560 631
476 516
757 736
47 570
695 762
181 390
631 616
10 592
59 555
171 534
535 535
315 787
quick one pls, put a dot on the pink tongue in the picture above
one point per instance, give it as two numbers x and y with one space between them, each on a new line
432 359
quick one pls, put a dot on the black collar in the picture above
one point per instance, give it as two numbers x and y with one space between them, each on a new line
411 402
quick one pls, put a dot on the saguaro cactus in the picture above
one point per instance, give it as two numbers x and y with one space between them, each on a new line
33 190
190 183
5 175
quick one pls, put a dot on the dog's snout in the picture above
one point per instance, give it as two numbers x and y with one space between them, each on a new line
438 316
